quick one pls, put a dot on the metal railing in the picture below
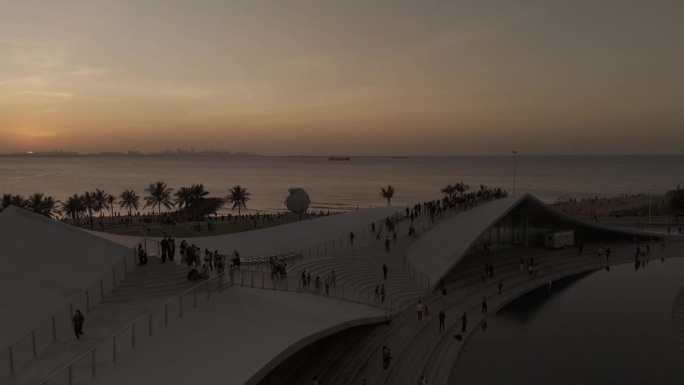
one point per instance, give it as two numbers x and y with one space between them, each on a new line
271 281
60 323
137 332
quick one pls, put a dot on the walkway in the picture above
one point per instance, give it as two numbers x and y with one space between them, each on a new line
418 348
678 316
141 291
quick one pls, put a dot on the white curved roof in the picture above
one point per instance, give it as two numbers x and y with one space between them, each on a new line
45 264
440 249
287 237
236 338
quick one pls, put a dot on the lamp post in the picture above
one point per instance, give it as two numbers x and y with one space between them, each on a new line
515 161
649 203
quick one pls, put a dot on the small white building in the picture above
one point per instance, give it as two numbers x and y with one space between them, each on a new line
559 239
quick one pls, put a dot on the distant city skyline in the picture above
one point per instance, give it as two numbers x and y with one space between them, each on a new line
305 77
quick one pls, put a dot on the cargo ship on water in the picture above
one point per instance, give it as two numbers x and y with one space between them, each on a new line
332 157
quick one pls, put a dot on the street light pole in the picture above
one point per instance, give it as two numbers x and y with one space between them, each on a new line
650 191
515 161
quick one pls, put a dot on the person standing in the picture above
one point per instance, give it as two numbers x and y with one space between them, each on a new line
419 310
78 324
464 323
395 237
427 313
172 248
351 238
384 271
387 243
382 293
442 317
500 287
484 274
491 270
484 305
608 253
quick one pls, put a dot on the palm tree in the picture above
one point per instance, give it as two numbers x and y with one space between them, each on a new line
130 200
448 190
49 206
461 187
184 198
387 193
111 199
73 207
5 201
13 200
238 197
89 204
159 194
35 203
198 197
100 202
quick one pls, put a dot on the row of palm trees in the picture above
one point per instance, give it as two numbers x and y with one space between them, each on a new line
189 200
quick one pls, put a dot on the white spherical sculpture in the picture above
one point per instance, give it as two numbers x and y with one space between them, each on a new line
298 201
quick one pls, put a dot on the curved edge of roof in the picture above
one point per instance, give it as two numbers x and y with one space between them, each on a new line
304 342
479 220
29 215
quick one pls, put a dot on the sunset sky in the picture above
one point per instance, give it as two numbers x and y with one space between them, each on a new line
347 77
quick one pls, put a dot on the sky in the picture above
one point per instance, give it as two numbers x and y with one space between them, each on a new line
352 77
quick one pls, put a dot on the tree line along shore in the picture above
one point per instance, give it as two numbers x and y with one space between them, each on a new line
191 206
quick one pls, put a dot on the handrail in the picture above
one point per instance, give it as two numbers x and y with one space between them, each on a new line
131 325
52 319
336 292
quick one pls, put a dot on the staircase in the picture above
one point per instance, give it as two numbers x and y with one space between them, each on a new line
155 279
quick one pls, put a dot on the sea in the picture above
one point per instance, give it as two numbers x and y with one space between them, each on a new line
346 185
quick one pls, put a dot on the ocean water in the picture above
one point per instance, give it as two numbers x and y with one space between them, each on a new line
344 185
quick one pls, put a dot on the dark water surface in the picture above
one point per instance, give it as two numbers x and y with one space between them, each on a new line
599 328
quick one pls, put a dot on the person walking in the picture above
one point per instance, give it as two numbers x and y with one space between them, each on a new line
491 270
608 253
484 274
427 313
500 287
419 310
78 324
387 243
395 237
377 293
382 293
484 305
384 357
384 271
351 238
464 323
442 317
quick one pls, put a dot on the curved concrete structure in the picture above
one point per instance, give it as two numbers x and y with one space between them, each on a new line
46 264
438 252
